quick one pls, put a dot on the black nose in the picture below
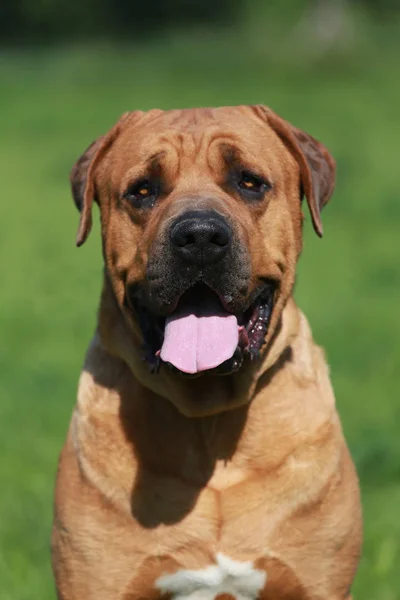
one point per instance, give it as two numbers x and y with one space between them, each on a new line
201 237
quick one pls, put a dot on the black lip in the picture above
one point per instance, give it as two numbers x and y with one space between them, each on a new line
253 321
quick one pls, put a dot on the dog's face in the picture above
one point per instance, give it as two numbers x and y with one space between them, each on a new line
201 225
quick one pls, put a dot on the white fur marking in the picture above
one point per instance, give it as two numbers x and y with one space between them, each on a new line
240 579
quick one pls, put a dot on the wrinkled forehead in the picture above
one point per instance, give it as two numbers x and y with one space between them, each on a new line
195 133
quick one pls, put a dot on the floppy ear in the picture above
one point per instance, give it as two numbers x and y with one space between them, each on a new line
317 166
82 179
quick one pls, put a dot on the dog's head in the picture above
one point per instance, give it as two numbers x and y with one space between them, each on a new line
201 226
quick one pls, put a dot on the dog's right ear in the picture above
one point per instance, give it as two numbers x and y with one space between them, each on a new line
317 166
82 179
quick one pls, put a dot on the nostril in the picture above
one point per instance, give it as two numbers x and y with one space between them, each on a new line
185 240
182 236
220 237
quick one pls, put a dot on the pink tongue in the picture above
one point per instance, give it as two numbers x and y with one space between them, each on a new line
199 339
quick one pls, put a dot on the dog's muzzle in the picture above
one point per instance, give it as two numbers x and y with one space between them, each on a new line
195 309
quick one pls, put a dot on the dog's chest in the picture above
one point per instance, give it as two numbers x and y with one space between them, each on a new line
204 502
222 547
225 578
222 578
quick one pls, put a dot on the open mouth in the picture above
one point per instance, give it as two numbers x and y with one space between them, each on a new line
202 335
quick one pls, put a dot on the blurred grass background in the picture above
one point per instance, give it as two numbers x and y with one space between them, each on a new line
334 74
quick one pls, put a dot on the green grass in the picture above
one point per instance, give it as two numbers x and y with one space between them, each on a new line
54 103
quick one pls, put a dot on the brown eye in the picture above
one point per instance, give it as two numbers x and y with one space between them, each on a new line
142 194
248 182
252 186
145 190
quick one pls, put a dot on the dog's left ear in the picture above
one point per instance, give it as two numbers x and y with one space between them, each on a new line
82 179
317 166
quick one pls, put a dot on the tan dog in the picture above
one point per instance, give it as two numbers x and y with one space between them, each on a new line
234 480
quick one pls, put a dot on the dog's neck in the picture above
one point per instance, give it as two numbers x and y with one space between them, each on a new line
207 394
135 412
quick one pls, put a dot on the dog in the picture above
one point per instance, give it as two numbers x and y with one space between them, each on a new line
205 458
